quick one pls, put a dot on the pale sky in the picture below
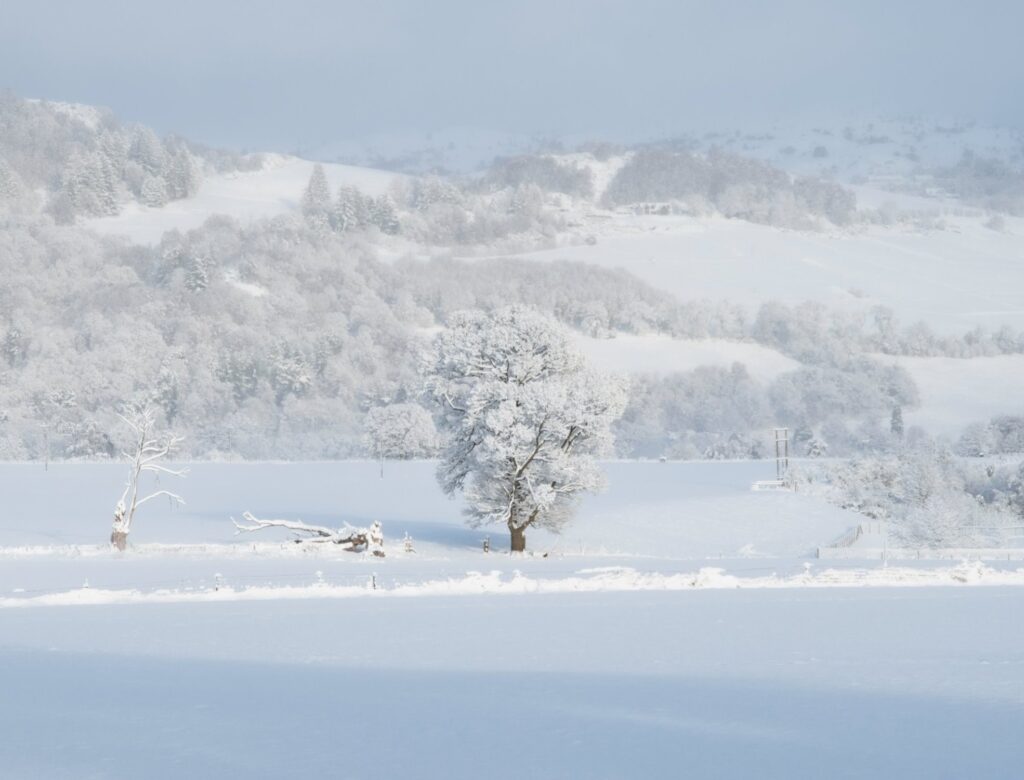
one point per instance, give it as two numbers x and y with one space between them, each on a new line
287 75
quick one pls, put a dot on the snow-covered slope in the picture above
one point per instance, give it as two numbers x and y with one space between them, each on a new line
659 354
957 392
954 279
275 189
878 149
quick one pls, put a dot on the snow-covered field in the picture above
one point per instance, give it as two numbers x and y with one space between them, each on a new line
921 682
956 393
679 628
660 354
953 279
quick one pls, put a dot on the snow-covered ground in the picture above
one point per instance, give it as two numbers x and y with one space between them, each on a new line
661 354
922 682
678 628
275 189
958 392
953 279
679 510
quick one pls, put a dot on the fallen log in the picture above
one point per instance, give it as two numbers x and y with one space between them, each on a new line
352 539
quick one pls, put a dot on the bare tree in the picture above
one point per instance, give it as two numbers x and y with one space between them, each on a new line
148 447
353 539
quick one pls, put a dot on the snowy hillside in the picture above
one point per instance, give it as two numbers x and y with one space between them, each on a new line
884 150
273 190
658 354
956 393
954 279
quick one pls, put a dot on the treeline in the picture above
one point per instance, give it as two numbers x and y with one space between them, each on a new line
725 413
990 182
436 212
274 340
734 186
928 496
1002 435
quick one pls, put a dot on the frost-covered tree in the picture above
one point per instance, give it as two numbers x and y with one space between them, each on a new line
385 215
816 448
183 175
432 191
154 191
400 430
10 186
523 416
88 185
896 422
148 447
147 150
352 210
316 200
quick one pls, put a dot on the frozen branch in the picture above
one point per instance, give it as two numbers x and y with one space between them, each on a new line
353 539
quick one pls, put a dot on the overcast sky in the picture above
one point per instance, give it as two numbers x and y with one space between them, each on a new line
295 74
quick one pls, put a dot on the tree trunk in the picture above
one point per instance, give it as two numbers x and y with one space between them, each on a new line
119 539
518 539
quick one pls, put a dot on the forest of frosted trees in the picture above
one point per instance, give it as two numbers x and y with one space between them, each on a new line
289 337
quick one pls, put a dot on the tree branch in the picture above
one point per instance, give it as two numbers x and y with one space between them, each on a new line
353 539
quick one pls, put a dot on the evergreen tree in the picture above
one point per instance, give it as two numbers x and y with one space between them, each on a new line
10 187
316 200
197 278
346 209
183 175
154 191
896 423
385 215
148 151
89 185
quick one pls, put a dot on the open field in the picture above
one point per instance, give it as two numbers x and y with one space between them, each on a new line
678 628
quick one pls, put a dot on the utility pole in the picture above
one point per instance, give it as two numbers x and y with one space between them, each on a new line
781 454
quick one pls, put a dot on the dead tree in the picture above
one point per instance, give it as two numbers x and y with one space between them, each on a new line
352 539
148 447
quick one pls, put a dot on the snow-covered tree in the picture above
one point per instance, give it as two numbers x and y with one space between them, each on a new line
89 185
316 200
10 186
816 448
896 422
433 190
154 191
385 215
523 416
400 430
197 277
975 441
183 175
148 447
147 150
351 210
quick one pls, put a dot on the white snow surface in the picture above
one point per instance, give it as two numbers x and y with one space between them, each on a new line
957 392
724 683
953 279
248 195
661 354
678 629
